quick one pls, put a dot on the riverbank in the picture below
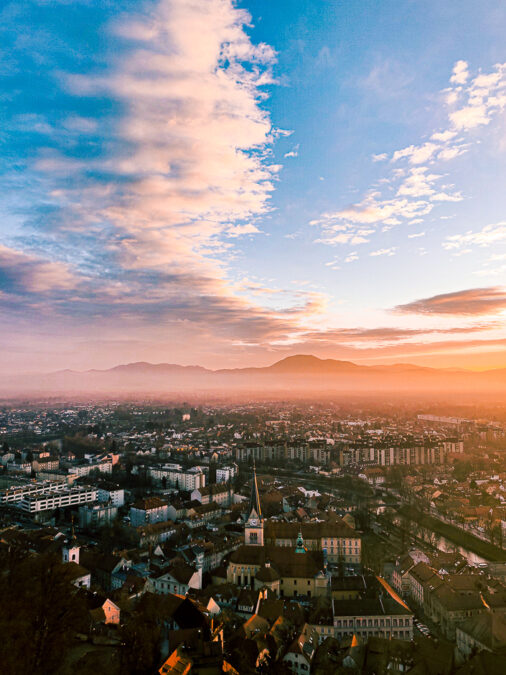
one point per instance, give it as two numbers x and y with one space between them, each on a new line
482 548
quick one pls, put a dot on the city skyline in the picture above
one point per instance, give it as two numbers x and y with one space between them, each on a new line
227 184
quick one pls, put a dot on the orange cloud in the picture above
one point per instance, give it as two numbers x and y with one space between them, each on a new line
470 302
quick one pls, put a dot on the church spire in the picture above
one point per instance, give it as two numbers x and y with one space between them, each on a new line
255 496
254 528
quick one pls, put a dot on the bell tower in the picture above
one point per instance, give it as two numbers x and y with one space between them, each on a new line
254 528
71 548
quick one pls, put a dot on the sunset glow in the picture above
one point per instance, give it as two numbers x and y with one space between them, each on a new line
227 184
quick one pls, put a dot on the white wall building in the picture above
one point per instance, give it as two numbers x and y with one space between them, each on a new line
226 473
115 495
192 479
55 500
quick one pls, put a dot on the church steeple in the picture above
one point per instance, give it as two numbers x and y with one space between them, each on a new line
254 529
255 506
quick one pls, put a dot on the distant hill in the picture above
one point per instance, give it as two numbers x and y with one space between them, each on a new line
297 375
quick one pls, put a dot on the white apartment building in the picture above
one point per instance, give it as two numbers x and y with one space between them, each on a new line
17 493
115 495
86 469
226 473
54 500
148 510
96 515
192 479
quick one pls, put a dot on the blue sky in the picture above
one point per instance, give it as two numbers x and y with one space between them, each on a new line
198 181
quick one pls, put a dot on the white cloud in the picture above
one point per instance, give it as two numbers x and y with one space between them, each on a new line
380 157
418 190
445 197
450 153
384 251
294 152
238 230
469 117
416 154
443 136
460 73
489 235
414 235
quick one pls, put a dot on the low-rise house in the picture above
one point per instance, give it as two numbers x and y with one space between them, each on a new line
486 631
422 578
448 608
400 575
222 494
176 579
300 654
108 613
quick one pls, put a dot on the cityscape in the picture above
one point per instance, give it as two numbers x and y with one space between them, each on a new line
252 337
254 537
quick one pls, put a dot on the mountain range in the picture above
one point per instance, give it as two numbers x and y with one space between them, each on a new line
295 374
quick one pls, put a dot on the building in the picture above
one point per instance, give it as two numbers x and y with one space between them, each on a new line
381 454
17 493
115 495
97 515
254 528
485 632
176 477
86 468
176 579
366 617
299 655
422 579
226 473
149 510
222 494
336 539
57 500
287 571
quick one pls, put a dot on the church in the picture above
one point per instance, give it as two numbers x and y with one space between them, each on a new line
288 571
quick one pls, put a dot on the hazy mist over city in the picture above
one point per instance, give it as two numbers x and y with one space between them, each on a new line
252 337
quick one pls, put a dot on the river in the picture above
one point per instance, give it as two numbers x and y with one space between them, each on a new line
442 543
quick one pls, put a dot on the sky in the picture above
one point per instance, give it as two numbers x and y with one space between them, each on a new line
230 183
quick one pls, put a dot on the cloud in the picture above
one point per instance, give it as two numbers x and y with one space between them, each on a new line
187 169
381 157
469 117
487 236
470 302
355 223
294 152
416 154
460 73
150 218
418 189
22 273
384 251
443 136
239 230
324 58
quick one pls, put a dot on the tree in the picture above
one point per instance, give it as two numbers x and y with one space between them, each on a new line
142 637
41 611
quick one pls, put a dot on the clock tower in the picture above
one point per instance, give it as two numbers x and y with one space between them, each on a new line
254 528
